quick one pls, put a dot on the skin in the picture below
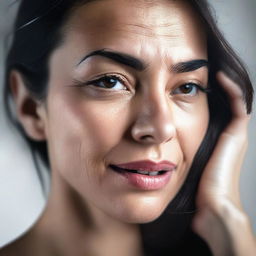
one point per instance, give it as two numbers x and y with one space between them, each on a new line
88 128
218 199
107 127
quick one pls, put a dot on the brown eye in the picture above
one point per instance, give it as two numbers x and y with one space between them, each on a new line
109 82
190 89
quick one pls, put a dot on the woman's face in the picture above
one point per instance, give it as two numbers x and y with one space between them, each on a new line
149 109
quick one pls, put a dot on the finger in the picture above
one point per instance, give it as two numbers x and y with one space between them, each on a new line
223 169
235 94
240 118
224 166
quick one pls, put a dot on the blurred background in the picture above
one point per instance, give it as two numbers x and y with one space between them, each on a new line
21 197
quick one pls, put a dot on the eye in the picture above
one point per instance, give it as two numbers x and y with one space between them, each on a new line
190 89
109 82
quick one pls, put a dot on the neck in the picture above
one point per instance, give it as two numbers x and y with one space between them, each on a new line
75 227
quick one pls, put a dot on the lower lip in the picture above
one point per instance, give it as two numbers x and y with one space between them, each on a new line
146 182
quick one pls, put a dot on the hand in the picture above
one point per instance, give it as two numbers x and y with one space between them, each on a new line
220 219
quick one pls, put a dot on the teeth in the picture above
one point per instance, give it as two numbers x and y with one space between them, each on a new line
148 173
143 172
153 173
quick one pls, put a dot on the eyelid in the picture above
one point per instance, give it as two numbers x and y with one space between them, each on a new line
123 79
198 85
116 76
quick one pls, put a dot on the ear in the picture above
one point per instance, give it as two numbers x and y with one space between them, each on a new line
30 112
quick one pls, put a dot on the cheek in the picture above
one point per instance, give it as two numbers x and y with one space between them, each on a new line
191 129
83 133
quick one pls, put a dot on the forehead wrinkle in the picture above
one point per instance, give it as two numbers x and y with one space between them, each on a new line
153 31
173 28
145 13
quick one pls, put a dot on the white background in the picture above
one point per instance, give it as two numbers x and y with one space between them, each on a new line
21 199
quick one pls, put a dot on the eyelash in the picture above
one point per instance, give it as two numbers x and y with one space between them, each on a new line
101 79
195 85
123 82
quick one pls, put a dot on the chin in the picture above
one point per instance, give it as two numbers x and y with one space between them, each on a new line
141 214
143 218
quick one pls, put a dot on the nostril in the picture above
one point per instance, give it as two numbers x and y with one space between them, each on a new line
145 137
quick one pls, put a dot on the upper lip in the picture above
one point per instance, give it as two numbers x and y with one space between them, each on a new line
148 165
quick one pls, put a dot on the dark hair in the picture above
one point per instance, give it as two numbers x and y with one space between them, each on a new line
49 16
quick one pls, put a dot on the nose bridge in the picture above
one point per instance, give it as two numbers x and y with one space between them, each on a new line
155 104
154 92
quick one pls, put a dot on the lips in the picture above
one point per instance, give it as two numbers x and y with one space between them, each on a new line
148 166
144 175
149 173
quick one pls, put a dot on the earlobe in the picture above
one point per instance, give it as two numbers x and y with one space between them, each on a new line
29 111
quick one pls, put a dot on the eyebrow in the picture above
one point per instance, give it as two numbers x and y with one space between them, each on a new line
139 65
189 66
119 57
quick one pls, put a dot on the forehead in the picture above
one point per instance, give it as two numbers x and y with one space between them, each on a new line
166 24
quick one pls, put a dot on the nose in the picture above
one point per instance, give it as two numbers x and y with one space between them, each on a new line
154 121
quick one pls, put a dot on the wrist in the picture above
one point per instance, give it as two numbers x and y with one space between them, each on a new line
226 228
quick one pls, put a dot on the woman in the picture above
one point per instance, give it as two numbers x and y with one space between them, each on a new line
140 110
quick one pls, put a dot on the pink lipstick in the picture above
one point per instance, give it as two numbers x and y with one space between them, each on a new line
146 175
